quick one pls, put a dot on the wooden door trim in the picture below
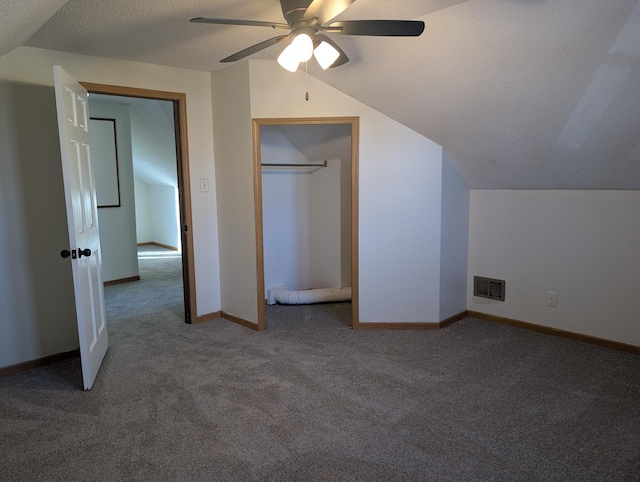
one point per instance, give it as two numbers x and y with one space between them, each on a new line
257 188
184 188
257 198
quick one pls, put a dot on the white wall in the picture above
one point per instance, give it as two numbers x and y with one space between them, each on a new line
585 245
345 222
285 214
164 215
155 167
118 224
35 66
144 233
325 226
234 186
37 308
455 240
400 195
286 230
157 217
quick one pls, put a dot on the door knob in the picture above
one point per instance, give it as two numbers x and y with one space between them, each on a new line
65 253
84 252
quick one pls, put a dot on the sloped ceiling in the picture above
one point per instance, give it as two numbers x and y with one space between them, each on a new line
320 143
19 20
152 138
523 94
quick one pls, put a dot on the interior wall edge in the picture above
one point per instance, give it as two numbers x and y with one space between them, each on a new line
241 321
207 317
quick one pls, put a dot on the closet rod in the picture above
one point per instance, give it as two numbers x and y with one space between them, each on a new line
324 164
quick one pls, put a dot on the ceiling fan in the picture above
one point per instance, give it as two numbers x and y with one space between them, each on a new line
306 21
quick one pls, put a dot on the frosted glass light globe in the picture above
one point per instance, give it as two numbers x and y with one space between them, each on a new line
288 59
303 46
326 55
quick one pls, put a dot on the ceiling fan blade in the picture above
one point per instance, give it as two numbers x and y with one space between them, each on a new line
342 59
378 28
232 21
325 10
255 48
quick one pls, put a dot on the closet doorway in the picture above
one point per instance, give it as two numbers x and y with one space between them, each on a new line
307 163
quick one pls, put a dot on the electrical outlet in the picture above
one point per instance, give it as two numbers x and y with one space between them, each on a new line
552 298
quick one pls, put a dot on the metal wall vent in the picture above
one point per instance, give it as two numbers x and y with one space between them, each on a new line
488 288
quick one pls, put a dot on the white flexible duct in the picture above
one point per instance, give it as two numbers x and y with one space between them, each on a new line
305 297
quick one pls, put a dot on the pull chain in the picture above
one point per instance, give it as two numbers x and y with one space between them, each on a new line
306 80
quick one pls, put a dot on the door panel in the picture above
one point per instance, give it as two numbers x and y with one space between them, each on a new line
84 237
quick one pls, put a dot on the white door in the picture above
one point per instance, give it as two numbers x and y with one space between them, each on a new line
82 216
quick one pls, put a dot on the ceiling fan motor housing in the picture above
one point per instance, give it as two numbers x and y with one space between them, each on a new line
293 10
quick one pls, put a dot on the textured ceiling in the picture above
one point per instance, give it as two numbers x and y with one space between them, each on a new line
523 94
19 19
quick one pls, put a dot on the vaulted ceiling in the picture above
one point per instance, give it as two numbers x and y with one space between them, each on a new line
523 94
152 138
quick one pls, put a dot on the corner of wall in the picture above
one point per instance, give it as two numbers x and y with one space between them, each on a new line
454 246
233 151
37 306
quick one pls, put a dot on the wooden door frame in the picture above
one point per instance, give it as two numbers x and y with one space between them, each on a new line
257 186
184 191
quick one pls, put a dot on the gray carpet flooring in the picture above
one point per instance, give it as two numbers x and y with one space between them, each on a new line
310 399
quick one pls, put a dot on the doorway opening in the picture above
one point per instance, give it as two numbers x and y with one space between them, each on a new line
176 198
306 206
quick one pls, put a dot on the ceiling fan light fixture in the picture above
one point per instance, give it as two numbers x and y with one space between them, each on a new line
306 19
288 59
326 54
303 46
